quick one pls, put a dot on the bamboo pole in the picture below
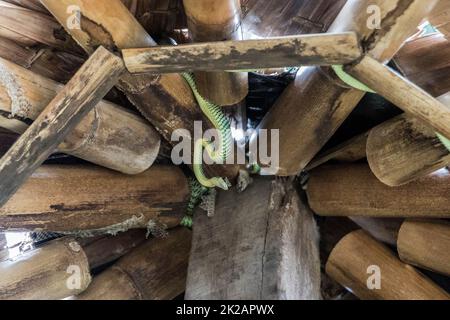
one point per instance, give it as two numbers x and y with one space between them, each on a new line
217 20
88 87
316 102
109 135
31 28
403 94
166 100
352 190
156 270
85 198
56 270
426 244
318 49
352 260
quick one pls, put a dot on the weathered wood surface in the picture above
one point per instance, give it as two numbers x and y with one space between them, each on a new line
46 273
317 102
156 270
404 94
424 61
426 244
217 20
348 151
109 135
88 87
109 248
440 17
318 49
383 229
31 28
76 198
353 190
29 4
350 264
404 149
166 100
260 244
265 19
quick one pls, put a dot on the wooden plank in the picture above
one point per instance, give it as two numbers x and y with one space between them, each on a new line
109 135
217 20
260 244
317 49
352 190
358 252
156 270
402 93
317 102
348 151
82 198
89 85
426 244
404 149
43 273
165 100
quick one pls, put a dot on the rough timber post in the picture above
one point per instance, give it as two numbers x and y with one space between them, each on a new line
315 105
266 234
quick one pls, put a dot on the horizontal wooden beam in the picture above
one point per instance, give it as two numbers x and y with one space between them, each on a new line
315 49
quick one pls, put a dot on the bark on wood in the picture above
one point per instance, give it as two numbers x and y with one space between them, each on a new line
109 248
357 252
316 102
166 100
156 270
45 273
31 28
403 94
425 62
217 20
88 87
426 244
404 149
260 244
265 19
76 198
349 151
353 190
109 135
319 49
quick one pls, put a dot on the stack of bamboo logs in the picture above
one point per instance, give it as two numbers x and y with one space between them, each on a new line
88 79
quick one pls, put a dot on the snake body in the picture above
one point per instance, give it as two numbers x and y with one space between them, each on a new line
223 126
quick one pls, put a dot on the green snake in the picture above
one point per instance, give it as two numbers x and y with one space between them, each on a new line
223 126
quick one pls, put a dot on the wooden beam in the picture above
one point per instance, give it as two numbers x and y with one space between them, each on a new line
109 135
268 234
44 273
352 190
383 229
351 261
426 244
317 102
167 100
156 270
84 198
348 151
318 49
403 94
440 17
88 87
217 20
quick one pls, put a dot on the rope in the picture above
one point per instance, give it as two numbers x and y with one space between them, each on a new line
354 83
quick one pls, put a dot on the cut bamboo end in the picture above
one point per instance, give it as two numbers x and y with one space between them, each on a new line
352 190
318 49
108 201
426 244
57 270
372 272
88 87
403 94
